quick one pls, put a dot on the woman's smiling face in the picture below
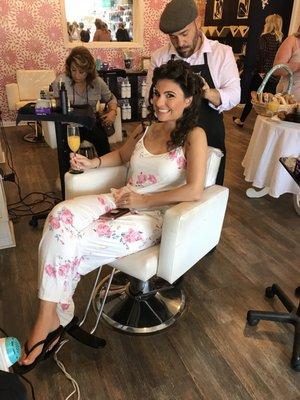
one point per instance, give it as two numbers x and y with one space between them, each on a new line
169 100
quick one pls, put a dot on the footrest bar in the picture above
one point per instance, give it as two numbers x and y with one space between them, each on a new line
86 338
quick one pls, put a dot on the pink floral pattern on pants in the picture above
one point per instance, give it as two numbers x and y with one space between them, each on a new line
75 241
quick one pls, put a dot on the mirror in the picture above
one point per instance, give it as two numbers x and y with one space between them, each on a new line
103 23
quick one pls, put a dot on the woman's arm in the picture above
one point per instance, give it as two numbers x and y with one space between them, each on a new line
196 154
284 55
106 96
110 116
112 159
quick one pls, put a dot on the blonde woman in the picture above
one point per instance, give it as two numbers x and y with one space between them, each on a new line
102 33
269 43
289 53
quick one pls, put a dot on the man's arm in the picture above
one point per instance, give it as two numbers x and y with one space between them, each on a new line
153 64
212 95
227 80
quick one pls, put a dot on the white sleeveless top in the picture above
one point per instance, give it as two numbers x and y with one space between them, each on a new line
150 173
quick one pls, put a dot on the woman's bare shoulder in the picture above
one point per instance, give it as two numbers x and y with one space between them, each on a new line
137 132
197 133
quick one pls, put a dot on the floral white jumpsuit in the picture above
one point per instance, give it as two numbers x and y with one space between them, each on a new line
76 240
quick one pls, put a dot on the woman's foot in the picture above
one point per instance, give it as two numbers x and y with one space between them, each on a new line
43 326
238 122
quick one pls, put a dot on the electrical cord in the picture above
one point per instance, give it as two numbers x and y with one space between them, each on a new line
23 208
68 376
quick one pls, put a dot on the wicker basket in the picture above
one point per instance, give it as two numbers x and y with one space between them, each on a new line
263 108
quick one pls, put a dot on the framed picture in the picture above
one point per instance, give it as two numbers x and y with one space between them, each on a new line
243 9
218 9
146 63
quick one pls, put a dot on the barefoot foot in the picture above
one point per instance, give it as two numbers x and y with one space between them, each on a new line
43 326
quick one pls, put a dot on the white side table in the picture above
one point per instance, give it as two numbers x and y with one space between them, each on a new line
271 140
7 237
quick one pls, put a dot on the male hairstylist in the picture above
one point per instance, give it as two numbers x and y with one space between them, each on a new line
212 59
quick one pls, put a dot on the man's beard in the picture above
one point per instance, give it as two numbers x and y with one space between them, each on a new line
189 50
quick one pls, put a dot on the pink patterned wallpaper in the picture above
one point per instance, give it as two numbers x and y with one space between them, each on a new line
31 38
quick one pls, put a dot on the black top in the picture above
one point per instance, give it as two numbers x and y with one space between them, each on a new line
268 46
122 35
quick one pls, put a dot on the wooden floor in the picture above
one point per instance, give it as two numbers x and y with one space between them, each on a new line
210 353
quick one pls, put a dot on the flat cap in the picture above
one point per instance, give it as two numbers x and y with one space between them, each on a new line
177 14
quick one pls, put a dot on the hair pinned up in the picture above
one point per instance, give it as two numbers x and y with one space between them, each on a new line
191 84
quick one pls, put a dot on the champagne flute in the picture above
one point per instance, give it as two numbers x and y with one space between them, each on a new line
73 137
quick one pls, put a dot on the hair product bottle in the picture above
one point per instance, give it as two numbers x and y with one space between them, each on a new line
63 97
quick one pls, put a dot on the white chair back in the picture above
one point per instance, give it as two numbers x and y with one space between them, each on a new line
31 82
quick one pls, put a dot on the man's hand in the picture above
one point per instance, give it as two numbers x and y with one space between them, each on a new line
212 95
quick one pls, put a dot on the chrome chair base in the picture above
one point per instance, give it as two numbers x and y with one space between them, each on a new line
138 307
37 135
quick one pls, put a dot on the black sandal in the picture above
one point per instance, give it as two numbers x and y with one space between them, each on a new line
46 350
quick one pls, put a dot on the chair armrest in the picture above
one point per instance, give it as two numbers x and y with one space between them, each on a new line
190 230
13 95
95 181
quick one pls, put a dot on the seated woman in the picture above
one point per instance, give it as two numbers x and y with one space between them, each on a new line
167 165
84 86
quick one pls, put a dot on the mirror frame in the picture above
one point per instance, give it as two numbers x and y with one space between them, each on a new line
138 30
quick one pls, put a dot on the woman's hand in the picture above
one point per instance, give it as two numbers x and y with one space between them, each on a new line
129 199
80 162
109 117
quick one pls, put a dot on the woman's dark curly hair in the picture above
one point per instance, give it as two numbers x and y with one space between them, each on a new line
191 84
82 59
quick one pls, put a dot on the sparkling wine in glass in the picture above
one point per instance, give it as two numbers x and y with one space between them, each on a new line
73 137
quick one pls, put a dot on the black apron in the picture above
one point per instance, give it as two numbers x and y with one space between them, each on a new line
211 120
97 135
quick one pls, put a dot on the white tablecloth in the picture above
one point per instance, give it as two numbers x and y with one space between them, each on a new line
272 139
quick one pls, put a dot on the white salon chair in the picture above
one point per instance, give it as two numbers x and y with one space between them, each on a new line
26 90
146 301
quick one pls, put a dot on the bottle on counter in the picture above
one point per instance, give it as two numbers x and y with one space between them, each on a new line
63 98
123 89
128 107
59 83
51 97
43 95
124 112
128 89
144 110
143 88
